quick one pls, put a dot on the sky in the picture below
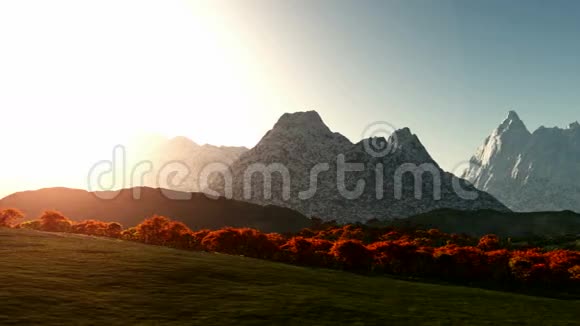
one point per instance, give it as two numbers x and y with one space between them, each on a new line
78 77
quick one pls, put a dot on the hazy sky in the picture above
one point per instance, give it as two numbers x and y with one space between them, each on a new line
76 77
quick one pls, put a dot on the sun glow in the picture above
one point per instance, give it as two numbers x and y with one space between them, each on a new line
81 77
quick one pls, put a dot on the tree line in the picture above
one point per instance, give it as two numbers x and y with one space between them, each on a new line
412 253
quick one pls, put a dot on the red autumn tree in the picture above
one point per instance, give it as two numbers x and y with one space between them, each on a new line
246 241
197 238
560 262
151 230
276 238
130 234
489 242
160 230
90 227
307 251
9 216
54 221
177 234
460 262
523 262
352 254
114 230
398 257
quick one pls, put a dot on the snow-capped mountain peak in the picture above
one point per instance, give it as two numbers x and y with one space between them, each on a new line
513 122
529 171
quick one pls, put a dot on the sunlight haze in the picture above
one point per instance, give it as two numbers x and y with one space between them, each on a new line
78 77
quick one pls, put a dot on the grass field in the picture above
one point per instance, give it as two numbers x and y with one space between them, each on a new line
55 279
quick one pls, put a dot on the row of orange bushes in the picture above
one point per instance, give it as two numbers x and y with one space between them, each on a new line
416 253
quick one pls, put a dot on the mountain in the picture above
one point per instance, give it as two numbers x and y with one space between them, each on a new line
131 206
177 163
537 171
300 142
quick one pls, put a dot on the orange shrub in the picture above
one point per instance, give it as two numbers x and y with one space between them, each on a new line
160 230
523 261
401 257
90 227
9 216
276 238
114 230
307 251
130 234
247 242
54 221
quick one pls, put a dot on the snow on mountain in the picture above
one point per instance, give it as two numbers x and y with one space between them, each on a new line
300 143
500 152
536 171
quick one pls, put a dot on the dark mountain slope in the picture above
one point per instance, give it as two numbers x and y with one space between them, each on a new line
194 209
505 224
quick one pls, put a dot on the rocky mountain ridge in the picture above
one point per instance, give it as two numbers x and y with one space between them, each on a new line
538 171
404 182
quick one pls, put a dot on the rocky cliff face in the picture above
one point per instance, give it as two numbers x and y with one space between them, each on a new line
537 171
301 153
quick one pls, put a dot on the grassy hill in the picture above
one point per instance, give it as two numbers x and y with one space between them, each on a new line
54 279
478 223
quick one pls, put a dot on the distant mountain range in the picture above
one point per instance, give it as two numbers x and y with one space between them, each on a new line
131 206
184 157
299 141
537 171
